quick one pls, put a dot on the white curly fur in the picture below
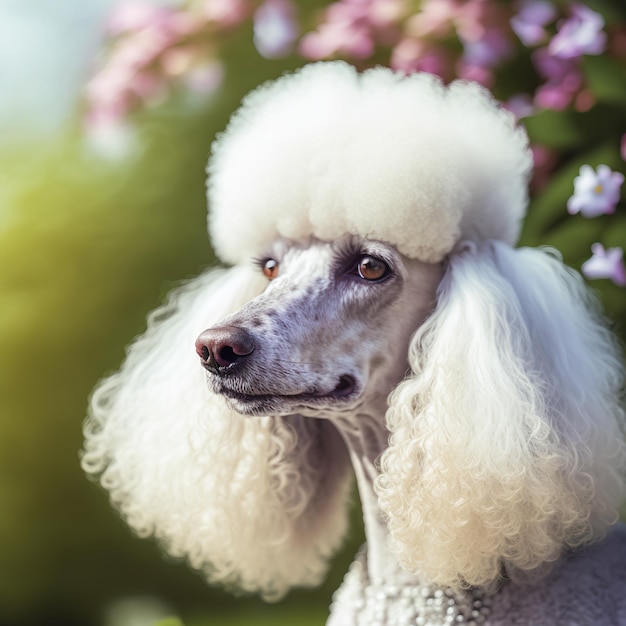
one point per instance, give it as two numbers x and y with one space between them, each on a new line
248 502
505 444
500 451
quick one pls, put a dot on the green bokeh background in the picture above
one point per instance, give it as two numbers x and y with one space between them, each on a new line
87 247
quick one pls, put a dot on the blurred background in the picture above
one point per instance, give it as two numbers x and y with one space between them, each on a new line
107 112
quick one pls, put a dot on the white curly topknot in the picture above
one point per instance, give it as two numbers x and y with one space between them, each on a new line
447 164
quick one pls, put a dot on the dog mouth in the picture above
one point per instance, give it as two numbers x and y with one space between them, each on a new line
247 401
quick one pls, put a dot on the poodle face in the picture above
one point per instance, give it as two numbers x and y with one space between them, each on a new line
328 334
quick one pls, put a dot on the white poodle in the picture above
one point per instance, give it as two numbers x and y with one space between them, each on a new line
388 325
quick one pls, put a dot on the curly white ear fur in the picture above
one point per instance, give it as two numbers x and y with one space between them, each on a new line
506 444
257 503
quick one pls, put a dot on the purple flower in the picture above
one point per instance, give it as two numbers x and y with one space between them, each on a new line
492 48
550 67
580 34
563 80
606 264
595 192
521 105
482 55
275 28
529 22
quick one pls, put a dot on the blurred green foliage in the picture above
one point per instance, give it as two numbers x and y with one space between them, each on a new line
87 248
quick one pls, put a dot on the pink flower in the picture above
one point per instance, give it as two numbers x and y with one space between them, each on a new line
563 80
384 14
347 30
476 73
580 34
353 40
435 18
475 18
556 96
595 192
414 55
225 13
133 15
275 28
529 22
353 28
606 264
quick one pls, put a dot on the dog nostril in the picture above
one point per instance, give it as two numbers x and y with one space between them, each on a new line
222 346
345 386
227 354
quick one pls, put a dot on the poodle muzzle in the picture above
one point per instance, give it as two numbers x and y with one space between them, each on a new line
254 387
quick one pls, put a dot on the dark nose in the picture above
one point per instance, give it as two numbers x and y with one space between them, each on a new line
222 346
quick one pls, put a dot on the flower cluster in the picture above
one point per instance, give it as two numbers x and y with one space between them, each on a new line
558 62
597 192
450 38
152 47
469 39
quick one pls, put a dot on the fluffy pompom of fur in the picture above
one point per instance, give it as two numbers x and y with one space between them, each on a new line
256 503
506 444
398 158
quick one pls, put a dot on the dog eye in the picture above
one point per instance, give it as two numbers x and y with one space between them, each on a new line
270 268
371 268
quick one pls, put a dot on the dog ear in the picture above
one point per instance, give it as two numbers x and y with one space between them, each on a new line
506 443
257 503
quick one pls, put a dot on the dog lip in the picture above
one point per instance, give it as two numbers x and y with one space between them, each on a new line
345 389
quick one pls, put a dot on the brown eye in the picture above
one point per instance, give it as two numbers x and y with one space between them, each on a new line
270 268
371 268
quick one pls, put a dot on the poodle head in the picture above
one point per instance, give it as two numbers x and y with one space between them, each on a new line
383 209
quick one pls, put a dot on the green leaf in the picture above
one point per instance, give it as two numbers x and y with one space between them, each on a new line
613 11
606 78
555 129
574 237
615 235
